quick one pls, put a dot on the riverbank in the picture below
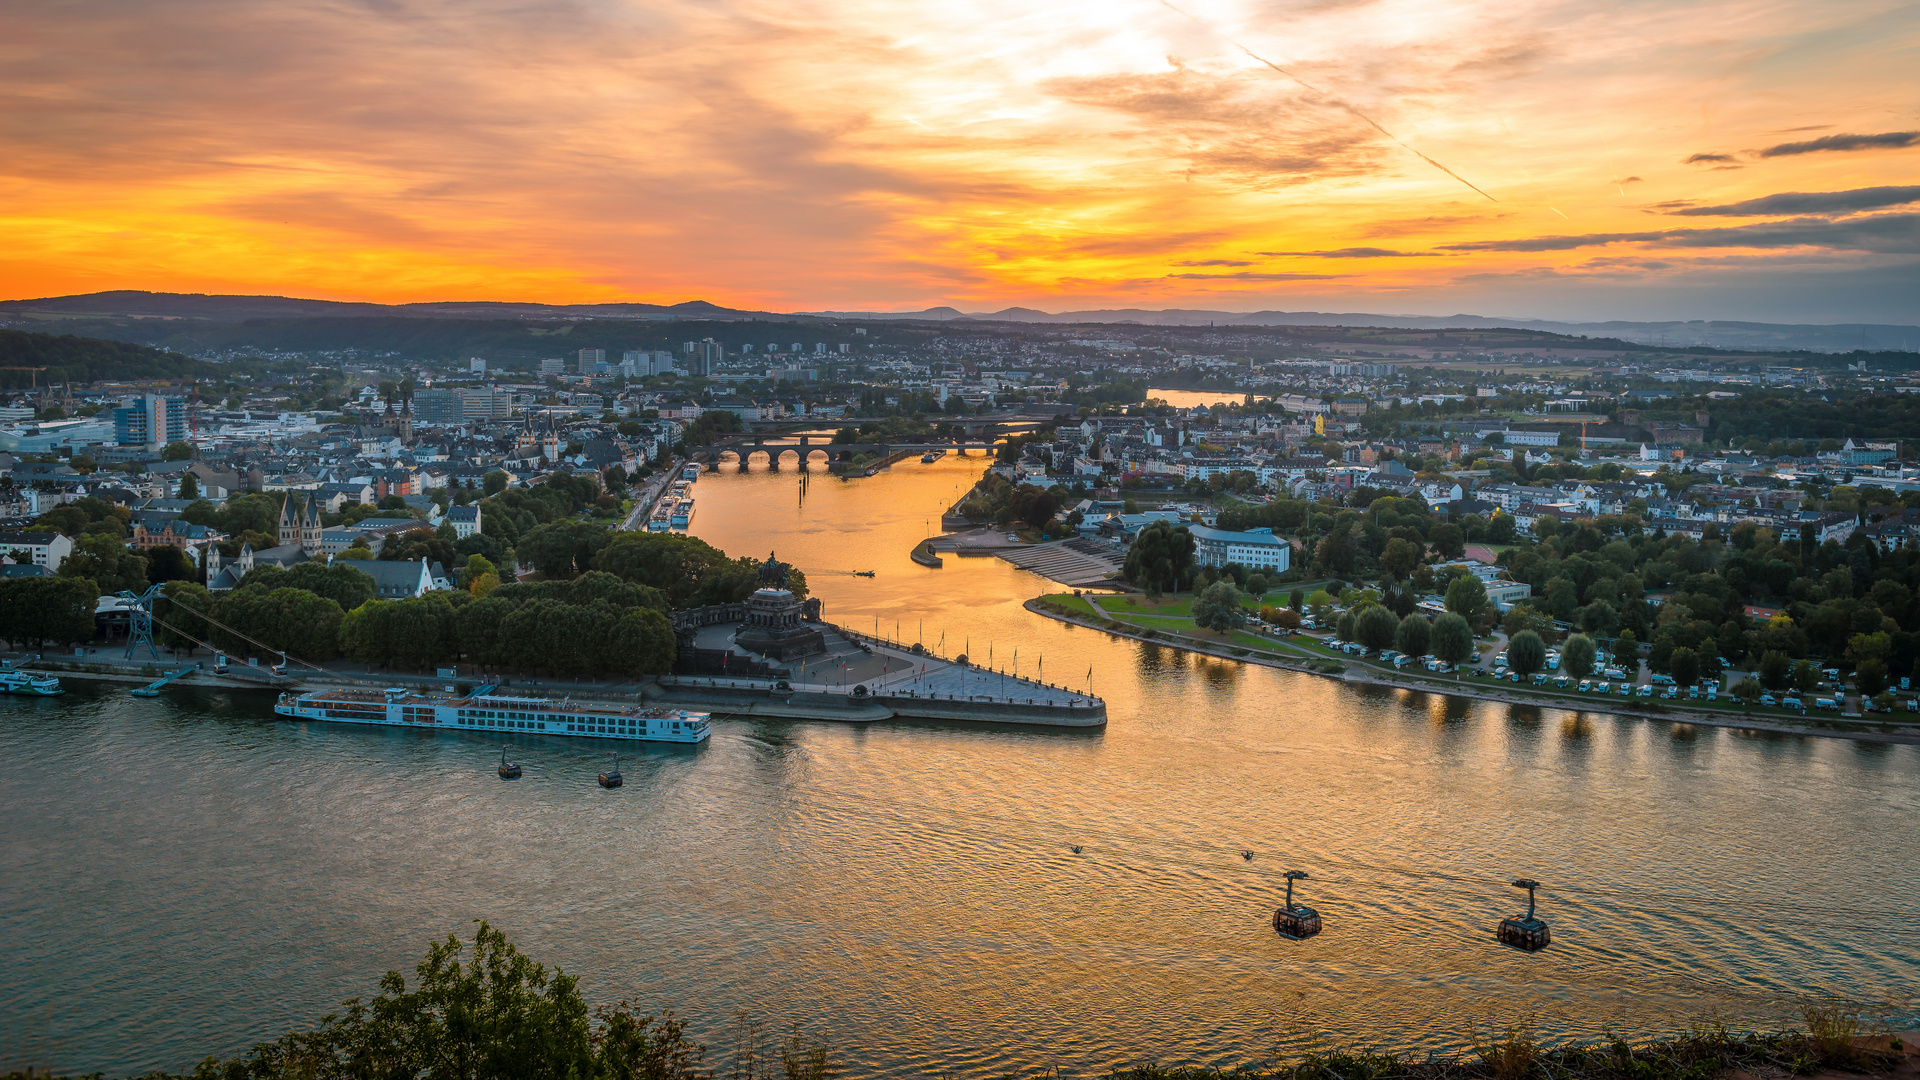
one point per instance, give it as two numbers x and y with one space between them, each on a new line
879 680
1355 673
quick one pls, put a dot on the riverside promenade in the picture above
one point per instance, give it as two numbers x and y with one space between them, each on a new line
1360 673
860 679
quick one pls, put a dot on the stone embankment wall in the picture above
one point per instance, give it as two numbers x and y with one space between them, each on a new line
747 698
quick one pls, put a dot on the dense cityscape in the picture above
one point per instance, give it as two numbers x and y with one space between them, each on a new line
1749 512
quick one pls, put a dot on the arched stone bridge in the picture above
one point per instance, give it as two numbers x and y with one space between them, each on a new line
805 449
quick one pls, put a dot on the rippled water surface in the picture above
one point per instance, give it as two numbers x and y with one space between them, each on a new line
185 875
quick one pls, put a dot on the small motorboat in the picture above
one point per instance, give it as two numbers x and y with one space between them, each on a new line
863 573
611 778
509 770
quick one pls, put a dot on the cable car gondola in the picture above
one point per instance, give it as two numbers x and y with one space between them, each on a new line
1293 920
1525 932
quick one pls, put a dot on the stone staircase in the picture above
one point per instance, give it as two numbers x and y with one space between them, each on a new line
1069 562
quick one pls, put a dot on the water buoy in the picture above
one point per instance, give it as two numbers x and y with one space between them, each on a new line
509 770
1525 932
1296 920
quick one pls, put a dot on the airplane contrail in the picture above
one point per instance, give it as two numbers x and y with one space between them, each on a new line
1348 106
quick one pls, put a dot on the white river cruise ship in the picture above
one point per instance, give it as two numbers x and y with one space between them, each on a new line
497 712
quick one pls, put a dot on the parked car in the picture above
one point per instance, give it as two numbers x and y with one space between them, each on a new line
1646 690
1769 699
1625 689
1791 703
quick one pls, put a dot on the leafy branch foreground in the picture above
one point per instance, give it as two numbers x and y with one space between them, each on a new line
500 1014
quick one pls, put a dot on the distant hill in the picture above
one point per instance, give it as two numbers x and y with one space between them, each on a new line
220 308
1840 337
80 359
202 310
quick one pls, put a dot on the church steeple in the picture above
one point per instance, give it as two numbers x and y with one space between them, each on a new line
288 530
310 526
300 526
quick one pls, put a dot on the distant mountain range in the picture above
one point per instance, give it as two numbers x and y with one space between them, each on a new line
1842 337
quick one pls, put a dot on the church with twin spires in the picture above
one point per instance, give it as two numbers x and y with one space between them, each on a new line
300 526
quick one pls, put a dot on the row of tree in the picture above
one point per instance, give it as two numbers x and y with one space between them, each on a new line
609 620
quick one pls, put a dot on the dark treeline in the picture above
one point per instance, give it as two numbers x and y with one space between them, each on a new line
80 359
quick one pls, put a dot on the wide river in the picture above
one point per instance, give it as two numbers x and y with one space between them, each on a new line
186 875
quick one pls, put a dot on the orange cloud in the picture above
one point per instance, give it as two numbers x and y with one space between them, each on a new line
893 154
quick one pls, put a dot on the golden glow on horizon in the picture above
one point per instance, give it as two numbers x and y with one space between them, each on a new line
893 155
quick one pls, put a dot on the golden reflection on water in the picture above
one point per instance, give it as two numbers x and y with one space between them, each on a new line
913 885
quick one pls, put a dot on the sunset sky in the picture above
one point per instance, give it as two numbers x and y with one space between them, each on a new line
1750 159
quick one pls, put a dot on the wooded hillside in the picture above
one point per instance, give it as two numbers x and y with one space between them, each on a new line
79 359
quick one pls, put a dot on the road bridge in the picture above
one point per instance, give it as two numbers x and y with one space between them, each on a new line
805 449
977 426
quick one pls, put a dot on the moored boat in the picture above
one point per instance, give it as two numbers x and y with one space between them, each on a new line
398 707
28 684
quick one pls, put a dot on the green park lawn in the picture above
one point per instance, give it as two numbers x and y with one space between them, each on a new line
1072 603
1140 605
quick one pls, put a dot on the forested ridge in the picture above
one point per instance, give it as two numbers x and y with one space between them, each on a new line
67 358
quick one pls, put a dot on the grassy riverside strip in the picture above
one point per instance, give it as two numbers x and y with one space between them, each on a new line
484 1009
1307 654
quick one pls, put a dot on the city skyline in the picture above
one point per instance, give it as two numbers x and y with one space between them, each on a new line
1541 160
